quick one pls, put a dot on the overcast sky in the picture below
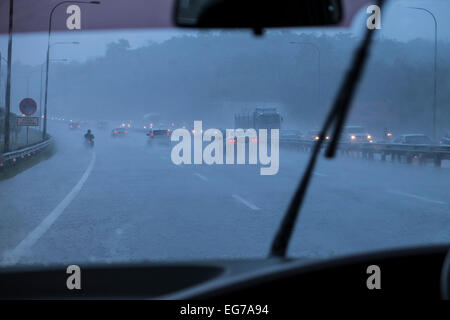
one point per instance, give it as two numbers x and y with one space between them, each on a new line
398 22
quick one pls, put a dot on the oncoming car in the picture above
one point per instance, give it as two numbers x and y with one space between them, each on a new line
314 135
445 139
356 134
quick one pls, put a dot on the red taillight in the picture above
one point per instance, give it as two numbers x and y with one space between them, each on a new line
232 140
153 134
168 133
254 140
71 127
116 132
126 131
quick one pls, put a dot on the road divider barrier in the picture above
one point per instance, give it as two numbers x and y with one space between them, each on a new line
396 152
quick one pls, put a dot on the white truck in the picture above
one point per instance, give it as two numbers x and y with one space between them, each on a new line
260 118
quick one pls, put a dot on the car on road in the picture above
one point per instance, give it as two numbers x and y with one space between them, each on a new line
159 136
388 136
314 135
119 132
445 139
356 134
74 125
240 136
413 138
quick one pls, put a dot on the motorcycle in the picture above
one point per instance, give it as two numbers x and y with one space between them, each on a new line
89 142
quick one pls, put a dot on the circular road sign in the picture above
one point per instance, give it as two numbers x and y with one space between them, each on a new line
28 106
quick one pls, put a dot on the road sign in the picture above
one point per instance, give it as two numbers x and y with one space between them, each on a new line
27 121
28 106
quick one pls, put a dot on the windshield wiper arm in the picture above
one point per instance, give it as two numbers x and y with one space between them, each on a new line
337 115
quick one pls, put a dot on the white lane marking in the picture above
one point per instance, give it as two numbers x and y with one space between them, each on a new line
248 204
14 256
201 176
319 174
400 193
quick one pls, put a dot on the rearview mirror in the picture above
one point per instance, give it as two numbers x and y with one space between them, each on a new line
256 14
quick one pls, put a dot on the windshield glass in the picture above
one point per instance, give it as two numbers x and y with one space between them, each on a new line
193 194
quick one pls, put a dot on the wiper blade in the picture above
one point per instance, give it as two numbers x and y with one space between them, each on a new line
337 115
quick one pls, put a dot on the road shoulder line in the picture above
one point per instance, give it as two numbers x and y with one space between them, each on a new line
13 256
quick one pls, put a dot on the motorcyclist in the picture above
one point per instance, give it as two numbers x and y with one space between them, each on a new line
89 136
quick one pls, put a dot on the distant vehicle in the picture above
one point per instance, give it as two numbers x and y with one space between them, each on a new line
74 125
355 134
125 125
415 138
239 136
388 136
314 135
159 136
260 118
445 139
119 132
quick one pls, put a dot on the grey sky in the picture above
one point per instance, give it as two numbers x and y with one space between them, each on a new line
398 22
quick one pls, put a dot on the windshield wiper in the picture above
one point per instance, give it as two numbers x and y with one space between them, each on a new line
336 116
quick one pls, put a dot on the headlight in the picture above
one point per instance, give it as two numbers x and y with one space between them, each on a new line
353 137
327 137
316 138
369 137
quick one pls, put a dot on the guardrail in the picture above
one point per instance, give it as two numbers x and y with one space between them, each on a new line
17 155
367 150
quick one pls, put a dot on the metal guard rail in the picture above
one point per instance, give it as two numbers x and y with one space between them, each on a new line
27 151
432 151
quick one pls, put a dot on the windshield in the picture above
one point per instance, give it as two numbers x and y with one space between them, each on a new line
195 194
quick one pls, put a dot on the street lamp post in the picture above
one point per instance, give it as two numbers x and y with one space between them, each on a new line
0 78
318 65
40 89
44 131
8 79
435 68
1 58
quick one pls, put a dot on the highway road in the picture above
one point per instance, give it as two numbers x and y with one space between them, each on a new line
126 201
